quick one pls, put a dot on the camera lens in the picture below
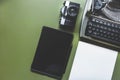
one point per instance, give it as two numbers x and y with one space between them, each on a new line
72 11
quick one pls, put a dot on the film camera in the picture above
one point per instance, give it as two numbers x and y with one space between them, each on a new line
69 14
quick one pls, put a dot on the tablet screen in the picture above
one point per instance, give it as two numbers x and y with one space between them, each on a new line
52 52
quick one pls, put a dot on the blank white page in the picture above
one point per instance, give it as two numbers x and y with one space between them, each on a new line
93 63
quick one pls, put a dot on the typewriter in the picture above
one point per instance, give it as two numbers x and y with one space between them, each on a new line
101 23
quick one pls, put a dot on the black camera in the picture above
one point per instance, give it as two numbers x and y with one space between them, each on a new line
69 14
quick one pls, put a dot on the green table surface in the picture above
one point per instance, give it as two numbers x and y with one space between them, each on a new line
21 22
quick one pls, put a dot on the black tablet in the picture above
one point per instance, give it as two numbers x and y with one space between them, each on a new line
52 52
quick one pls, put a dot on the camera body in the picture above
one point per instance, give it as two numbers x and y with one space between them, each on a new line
68 14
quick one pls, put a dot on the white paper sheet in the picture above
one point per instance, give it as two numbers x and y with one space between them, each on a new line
93 63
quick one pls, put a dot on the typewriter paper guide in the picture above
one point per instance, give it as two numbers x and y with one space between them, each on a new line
93 63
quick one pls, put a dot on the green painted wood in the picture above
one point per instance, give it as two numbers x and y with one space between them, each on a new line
21 22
